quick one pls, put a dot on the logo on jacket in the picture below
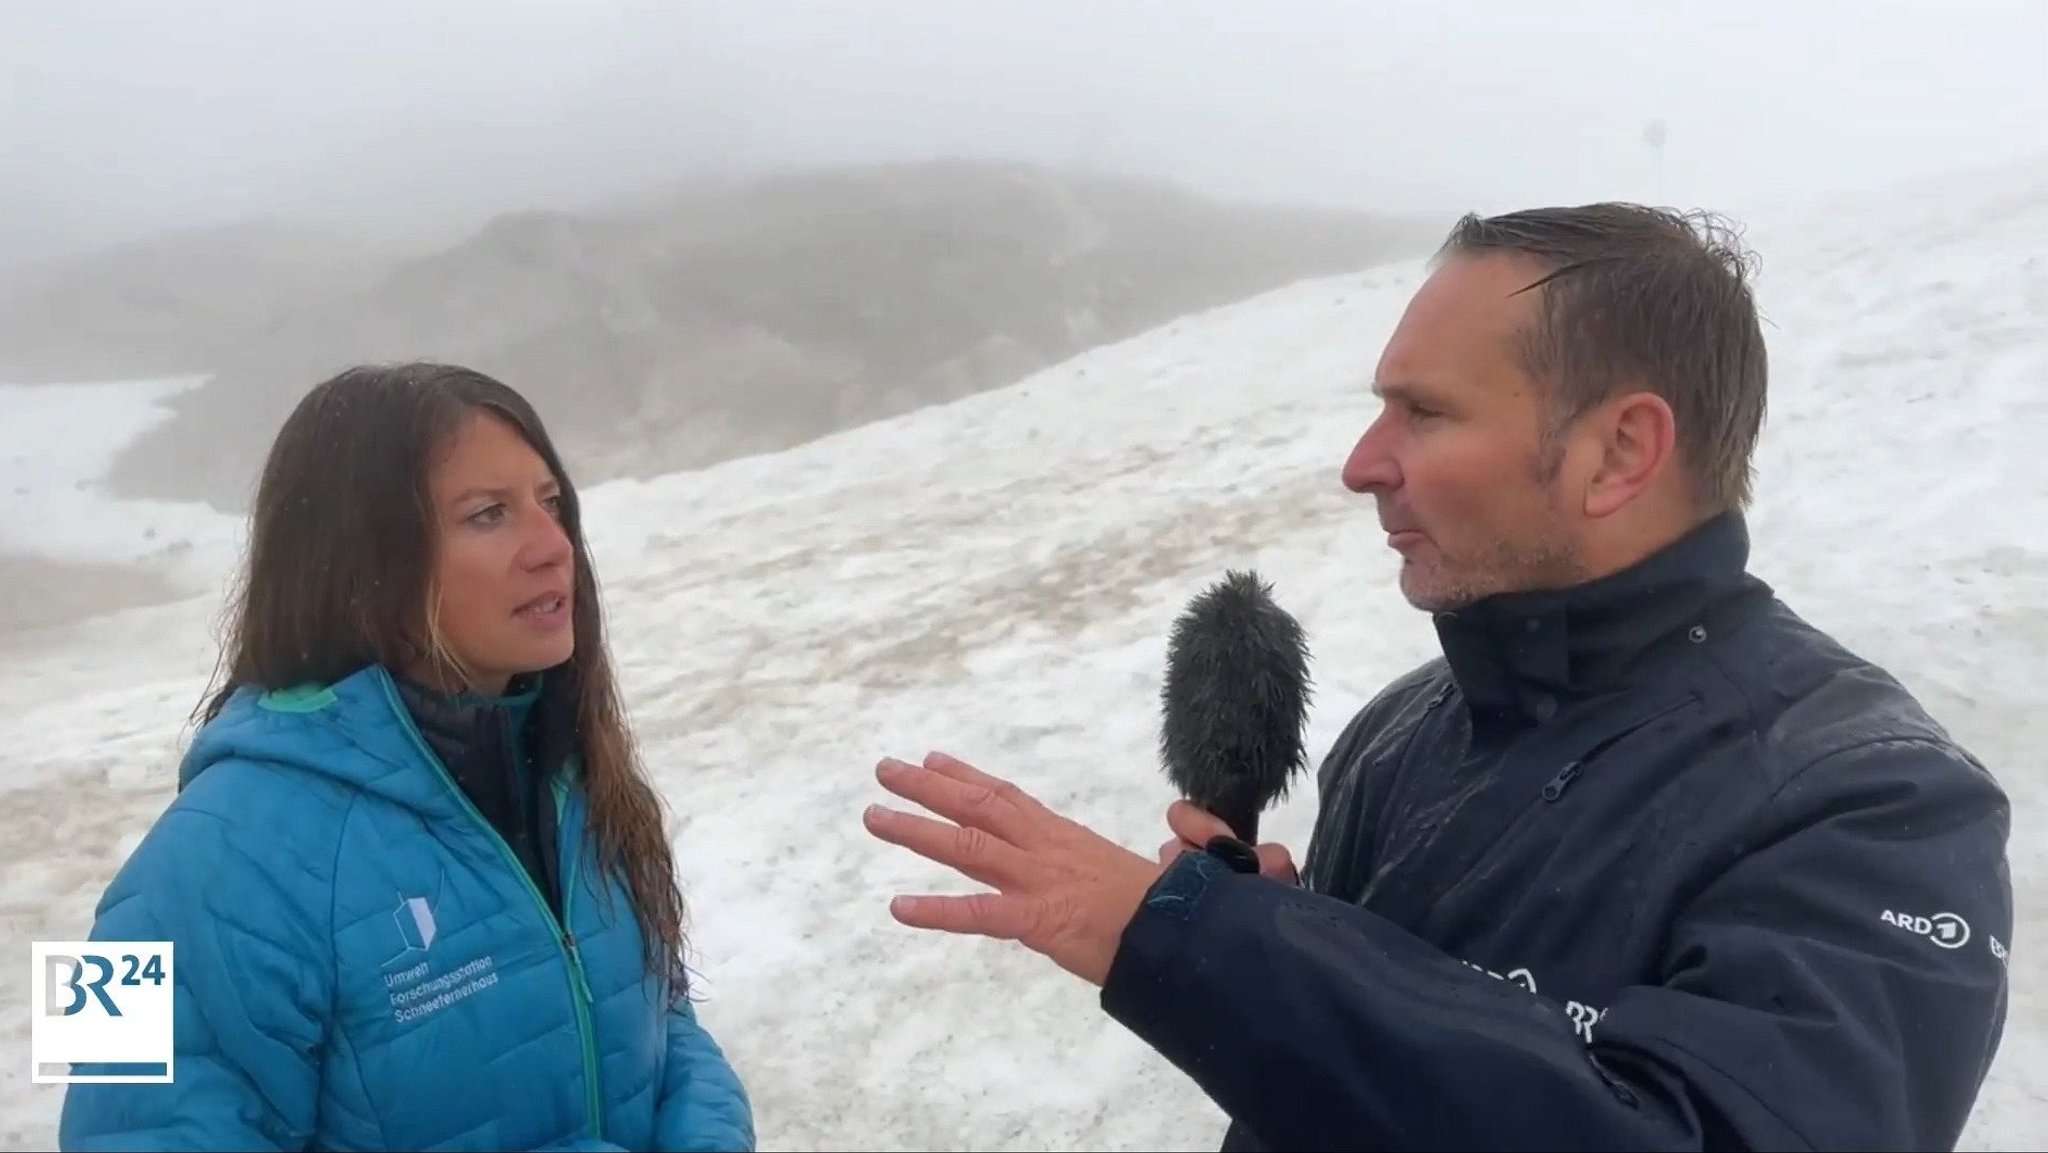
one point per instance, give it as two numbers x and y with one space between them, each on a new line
1944 929
1582 1016
417 927
417 990
416 922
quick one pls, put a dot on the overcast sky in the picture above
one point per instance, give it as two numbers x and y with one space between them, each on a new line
123 115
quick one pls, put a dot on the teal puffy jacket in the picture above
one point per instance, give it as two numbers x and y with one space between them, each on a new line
362 963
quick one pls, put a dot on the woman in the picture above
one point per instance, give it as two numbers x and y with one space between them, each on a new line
419 891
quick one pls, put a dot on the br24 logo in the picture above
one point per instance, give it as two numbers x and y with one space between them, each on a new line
69 974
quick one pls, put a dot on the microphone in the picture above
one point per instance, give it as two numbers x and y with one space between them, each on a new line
1235 701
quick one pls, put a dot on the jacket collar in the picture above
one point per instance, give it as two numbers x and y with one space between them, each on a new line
441 712
1519 657
472 732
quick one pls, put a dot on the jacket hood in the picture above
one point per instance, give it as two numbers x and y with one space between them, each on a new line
355 732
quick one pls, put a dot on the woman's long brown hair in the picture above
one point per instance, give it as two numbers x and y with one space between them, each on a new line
340 572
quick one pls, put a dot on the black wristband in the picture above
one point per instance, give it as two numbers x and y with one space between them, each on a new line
1235 853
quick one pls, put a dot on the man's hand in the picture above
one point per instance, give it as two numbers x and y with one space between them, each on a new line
1192 827
1061 889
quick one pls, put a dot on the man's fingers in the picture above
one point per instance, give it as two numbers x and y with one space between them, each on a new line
960 770
986 914
971 851
1276 862
1193 824
964 795
1193 827
993 790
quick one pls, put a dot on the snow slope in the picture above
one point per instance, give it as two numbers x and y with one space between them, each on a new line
57 440
997 578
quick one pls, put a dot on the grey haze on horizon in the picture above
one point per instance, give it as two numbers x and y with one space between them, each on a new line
123 117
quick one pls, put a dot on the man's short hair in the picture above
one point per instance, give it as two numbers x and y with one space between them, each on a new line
1643 298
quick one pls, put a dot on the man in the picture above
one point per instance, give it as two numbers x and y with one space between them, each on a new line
1643 861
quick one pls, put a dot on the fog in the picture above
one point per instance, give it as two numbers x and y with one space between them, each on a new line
120 117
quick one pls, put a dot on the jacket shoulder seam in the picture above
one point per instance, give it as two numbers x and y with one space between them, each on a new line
1945 750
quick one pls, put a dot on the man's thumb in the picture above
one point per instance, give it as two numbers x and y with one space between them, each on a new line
1276 862
1193 824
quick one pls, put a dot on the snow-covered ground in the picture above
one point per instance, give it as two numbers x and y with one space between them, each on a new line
997 578
56 443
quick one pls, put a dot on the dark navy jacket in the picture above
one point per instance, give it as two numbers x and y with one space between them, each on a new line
1648 864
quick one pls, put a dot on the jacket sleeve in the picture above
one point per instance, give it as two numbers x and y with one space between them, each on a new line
703 1104
1819 992
249 989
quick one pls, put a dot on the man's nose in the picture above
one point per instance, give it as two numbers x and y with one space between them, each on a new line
1371 467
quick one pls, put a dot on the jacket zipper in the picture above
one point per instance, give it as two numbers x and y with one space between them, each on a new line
561 790
1562 781
579 988
1570 772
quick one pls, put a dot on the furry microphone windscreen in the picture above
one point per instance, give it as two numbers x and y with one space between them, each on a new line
1235 702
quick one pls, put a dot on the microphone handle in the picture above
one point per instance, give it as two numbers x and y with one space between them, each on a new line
1242 816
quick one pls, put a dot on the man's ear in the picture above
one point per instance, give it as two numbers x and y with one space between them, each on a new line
1638 442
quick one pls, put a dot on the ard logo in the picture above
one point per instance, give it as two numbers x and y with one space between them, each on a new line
101 1011
1944 929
